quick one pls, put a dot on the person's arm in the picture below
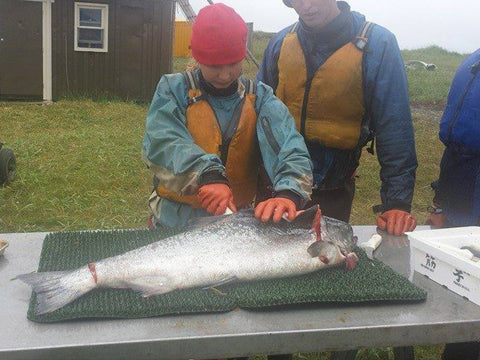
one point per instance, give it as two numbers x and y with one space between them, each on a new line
389 109
168 148
285 156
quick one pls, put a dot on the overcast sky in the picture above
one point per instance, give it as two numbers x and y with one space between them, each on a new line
451 24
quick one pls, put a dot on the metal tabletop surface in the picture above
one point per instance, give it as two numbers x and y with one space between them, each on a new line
443 317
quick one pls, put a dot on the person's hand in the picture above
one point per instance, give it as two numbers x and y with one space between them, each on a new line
436 220
215 198
274 209
396 222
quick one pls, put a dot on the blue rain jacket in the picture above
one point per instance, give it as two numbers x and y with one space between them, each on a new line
170 152
386 99
458 191
460 122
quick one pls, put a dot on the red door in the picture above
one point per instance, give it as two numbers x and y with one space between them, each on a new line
21 69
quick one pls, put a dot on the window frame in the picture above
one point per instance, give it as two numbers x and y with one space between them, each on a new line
104 25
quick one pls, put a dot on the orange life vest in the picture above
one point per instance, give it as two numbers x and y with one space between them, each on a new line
334 111
241 156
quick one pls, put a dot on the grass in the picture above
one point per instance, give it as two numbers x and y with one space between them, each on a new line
79 164
429 152
430 88
421 353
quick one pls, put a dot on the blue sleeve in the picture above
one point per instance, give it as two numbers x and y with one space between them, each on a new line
168 148
285 155
268 72
460 120
388 107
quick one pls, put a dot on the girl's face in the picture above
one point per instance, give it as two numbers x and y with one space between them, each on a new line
221 76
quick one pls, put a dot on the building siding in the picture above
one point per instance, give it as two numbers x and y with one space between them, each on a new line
21 76
183 33
140 34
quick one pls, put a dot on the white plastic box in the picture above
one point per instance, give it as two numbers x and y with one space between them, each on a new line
447 268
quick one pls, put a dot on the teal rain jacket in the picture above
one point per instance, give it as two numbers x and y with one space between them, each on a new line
171 154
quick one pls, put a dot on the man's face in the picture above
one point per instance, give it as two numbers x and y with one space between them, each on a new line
316 13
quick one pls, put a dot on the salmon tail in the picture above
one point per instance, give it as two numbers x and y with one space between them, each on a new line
58 288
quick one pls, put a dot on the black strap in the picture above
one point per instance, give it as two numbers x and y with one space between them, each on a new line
250 87
192 84
231 130
233 125
190 79
361 41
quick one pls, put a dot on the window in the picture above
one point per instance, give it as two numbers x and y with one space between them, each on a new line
91 27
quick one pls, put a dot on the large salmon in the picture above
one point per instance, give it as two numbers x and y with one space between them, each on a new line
215 251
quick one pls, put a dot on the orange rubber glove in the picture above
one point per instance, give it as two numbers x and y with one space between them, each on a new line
396 222
215 198
274 209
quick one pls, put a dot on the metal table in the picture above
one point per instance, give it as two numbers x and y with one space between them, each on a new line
444 317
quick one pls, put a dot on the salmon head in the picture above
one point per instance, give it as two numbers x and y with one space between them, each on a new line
335 240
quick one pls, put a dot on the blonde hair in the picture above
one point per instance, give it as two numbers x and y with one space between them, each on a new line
192 65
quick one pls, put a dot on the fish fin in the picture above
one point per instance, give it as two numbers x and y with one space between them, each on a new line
58 288
204 221
327 252
217 292
338 233
307 213
316 249
207 220
306 219
222 282
151 285
200 222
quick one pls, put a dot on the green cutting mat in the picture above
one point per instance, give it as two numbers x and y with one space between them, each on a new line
370 281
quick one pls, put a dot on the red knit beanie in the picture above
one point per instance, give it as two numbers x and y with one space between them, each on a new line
219 36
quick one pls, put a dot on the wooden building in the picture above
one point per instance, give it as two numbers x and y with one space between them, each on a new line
104 48
182 35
